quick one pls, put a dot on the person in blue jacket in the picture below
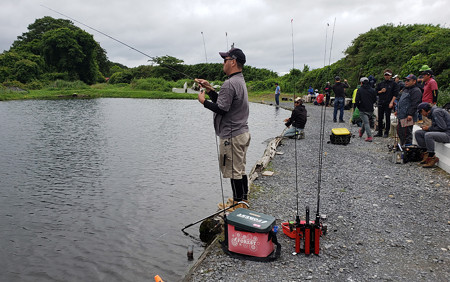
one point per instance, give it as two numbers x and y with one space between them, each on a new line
277 94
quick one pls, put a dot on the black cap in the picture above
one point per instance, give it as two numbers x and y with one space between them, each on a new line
429 72
411 76
424 106
337 78
234 53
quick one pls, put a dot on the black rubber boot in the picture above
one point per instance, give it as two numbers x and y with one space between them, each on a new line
238 189
245 186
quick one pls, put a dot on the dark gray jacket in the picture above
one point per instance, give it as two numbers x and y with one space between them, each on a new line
365 98
410 98
440 120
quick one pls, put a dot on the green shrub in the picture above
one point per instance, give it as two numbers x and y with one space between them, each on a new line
14 83
52 76
124 76
264 85
63 85
152 84
443 97
35 85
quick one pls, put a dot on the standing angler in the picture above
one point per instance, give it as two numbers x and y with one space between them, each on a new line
364 100
339 100
387 91
277 94
231 110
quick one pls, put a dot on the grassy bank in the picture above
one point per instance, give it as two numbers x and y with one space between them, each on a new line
94 91
125 91
104 91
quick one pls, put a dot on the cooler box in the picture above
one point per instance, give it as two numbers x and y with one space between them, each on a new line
340 136
248 233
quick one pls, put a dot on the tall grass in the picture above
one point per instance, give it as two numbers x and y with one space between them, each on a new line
65 85
443 97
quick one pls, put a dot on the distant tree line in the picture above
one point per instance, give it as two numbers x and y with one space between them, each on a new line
55 49
403 49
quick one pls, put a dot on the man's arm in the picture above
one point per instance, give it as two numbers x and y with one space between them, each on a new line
435 95
213 105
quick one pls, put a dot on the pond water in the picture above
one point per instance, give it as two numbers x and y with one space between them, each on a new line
99 189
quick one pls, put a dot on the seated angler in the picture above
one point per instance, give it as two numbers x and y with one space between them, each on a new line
439 131
298 120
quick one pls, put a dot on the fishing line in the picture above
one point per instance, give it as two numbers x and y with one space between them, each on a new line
220 172
153 59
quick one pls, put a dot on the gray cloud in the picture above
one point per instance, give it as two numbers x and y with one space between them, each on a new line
261 28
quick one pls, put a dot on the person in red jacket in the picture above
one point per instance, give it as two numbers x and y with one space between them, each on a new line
430 90
319 100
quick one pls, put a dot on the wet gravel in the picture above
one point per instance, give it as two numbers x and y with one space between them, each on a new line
386 221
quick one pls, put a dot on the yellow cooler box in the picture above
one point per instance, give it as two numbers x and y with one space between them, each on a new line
340 136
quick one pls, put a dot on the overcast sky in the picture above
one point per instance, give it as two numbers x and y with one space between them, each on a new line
261 28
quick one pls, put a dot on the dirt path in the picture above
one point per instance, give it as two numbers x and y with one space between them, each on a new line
386 222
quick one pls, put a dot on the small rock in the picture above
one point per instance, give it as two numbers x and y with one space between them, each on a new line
409 241
431 181
391 196
444 249
308 278
267 173
387 177
375 205
341 217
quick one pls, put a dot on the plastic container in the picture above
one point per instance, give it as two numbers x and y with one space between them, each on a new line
248 233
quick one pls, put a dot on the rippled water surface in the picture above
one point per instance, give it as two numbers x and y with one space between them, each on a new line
98 190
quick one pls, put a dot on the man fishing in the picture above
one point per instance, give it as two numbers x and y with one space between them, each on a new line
231 110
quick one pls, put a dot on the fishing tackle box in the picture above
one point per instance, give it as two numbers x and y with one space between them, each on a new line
340 136
249 233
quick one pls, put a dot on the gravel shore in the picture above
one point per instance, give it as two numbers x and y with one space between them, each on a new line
386 221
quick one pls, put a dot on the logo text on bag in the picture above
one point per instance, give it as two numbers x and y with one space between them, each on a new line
262 221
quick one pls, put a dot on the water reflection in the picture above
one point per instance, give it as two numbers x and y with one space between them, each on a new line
99 189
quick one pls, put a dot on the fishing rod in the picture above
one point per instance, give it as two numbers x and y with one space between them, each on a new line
319 174
204 46
326 38
153 59
295 142
292 35
332 37
226 36
214 214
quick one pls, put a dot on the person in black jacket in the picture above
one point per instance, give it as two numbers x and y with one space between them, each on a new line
339 100
387 92
298 120
365 98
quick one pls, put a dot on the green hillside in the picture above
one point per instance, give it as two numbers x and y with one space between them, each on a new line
403 48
